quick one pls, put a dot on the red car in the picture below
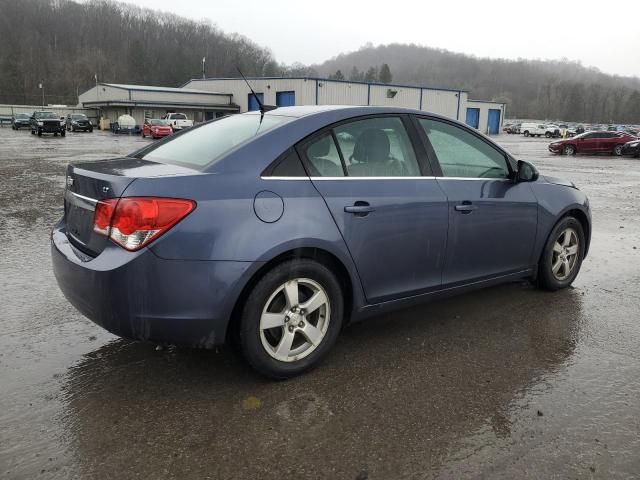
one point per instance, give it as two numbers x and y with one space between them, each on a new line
592 142
156 128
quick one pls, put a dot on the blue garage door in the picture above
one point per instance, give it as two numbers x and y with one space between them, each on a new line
285 99
473 117
253 104
494 121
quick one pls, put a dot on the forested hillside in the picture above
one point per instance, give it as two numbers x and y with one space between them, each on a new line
64 44
532 88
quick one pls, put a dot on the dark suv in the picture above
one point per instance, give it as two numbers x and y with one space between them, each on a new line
46 122
79 121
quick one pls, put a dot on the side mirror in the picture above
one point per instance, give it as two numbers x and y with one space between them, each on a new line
526 172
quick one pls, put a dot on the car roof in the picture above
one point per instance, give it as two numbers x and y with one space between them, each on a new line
351 110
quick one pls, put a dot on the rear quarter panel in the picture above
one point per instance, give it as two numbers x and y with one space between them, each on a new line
224 226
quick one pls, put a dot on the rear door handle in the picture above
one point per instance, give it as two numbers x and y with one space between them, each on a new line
360 209
466 207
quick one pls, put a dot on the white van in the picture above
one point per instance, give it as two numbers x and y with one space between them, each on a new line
533 129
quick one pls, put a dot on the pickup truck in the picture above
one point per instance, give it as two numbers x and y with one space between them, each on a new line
178 121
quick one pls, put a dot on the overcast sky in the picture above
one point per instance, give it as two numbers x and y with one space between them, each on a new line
597 33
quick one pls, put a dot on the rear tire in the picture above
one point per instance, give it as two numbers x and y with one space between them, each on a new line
562 255
286 349
63 133
39 132
617 150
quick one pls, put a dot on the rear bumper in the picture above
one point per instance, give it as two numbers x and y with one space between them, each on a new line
143 297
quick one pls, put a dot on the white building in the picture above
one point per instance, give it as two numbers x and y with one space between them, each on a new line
485 116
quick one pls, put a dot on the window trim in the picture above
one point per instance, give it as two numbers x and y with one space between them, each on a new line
433 157
424 165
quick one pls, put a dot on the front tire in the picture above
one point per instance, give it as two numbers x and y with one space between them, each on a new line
526 133
562 256
548 135
291 318
569 150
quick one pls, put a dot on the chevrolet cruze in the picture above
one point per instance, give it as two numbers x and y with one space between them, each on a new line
278 229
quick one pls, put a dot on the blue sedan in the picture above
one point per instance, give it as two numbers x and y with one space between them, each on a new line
278 229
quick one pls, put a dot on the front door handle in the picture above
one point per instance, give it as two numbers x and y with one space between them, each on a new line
465 207
360 209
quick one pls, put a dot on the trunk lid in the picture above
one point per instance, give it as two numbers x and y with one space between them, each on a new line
88 183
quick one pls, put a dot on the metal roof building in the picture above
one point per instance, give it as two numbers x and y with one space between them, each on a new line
142 101
287 91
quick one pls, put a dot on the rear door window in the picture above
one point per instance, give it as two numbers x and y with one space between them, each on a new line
377 147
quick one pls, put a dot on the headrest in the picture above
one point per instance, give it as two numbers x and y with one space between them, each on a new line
372 146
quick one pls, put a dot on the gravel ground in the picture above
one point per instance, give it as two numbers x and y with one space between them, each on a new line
509 382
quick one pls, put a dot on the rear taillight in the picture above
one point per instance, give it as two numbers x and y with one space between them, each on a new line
134 222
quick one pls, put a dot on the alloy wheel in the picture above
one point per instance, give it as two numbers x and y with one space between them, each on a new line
295 319
565 254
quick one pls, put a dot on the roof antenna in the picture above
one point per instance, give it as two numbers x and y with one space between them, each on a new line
263 108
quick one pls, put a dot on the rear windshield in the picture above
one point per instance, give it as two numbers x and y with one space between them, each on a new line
203 145
157 121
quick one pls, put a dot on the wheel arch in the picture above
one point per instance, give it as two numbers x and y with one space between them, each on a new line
580 215
323 256
586 225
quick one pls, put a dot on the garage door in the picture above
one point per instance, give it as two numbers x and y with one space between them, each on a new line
494 121
253 104
285 99
473 117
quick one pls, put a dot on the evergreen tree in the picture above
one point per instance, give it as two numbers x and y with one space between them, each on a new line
371 75
385 74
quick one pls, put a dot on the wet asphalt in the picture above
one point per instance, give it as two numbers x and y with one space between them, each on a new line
507 382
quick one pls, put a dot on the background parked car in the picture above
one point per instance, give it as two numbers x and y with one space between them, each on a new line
514 128
156 128
592 142
552 131
46 122
78 121
631 149
20 120
178 121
